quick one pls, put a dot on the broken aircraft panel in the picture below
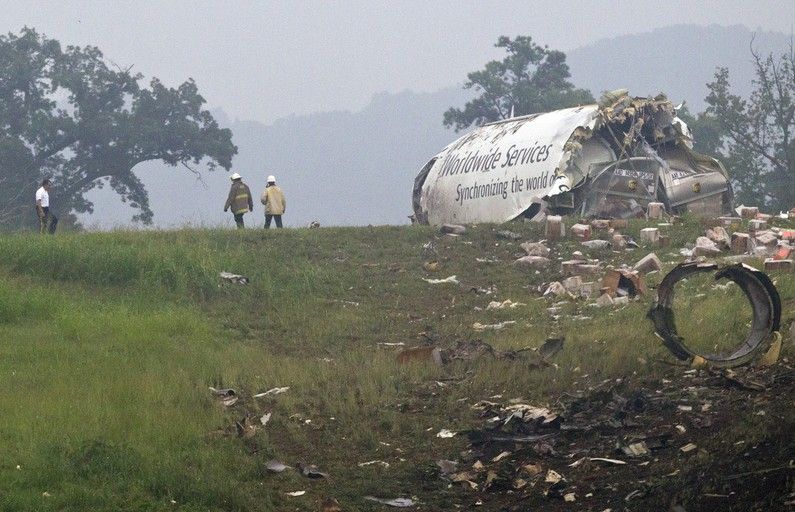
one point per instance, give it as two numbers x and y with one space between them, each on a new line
605 160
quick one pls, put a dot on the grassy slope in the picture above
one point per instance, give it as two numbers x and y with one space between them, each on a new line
108 343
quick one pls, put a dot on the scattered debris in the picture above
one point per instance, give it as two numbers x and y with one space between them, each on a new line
740 243
272 392
772 264
655 210
508 235
615 462
330 505
638 449
557 289
623 283
265 418
431 354
747 212
535 249
581 231
311 471
295 493
246 428
506 304
553 477
381 463
445 434
227 396
432 266
275 466
447 467
394 502
453 229
649 263
773 353
650 236
554 228
450 280
233 278
705 247
597 245
719 235
492 327
532 261
689 447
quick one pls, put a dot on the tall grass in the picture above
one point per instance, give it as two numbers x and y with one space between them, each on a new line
108 343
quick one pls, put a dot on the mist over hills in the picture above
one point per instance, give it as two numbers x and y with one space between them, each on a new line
678 60
357 168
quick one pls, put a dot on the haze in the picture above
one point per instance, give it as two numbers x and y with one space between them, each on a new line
266 60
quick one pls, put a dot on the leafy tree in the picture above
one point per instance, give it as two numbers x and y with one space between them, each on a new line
758 133
528 80
69 115
707 135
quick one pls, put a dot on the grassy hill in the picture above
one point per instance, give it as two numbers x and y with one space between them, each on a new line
109 344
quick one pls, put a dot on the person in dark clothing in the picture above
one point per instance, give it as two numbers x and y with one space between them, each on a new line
239 200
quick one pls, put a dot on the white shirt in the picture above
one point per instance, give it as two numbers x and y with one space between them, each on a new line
43 196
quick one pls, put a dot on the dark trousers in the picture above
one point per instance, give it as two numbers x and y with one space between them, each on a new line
277 218
239 220
48 222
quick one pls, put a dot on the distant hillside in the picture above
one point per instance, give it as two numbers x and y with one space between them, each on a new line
357 168
677 60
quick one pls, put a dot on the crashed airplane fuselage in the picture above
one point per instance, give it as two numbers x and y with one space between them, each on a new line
605 160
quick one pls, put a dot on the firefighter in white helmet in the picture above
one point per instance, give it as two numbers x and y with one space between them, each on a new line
239 199
275 204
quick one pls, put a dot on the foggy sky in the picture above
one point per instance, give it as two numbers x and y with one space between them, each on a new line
266 60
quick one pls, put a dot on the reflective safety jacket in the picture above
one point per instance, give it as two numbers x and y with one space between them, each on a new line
239 198
274 201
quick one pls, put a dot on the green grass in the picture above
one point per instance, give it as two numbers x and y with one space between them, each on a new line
109 342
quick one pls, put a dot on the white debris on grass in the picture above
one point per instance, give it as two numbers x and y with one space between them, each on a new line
451 280
381 463
233 278
508 303
445 434
272 392
492 327
394 502
265 418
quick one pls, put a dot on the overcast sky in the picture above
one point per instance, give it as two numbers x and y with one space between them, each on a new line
265 60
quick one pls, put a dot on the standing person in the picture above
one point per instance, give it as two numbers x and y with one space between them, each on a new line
47 221
275 204
239 199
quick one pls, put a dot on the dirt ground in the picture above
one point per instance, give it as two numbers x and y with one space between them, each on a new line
690 451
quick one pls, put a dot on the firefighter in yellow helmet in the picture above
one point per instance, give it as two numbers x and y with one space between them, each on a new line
239 200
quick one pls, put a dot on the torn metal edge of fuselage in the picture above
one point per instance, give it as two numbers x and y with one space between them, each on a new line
758 288
618 107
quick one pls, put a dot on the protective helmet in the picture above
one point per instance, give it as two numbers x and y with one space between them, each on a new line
271 179
235 176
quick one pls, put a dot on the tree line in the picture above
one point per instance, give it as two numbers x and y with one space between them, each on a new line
71 115
753 136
